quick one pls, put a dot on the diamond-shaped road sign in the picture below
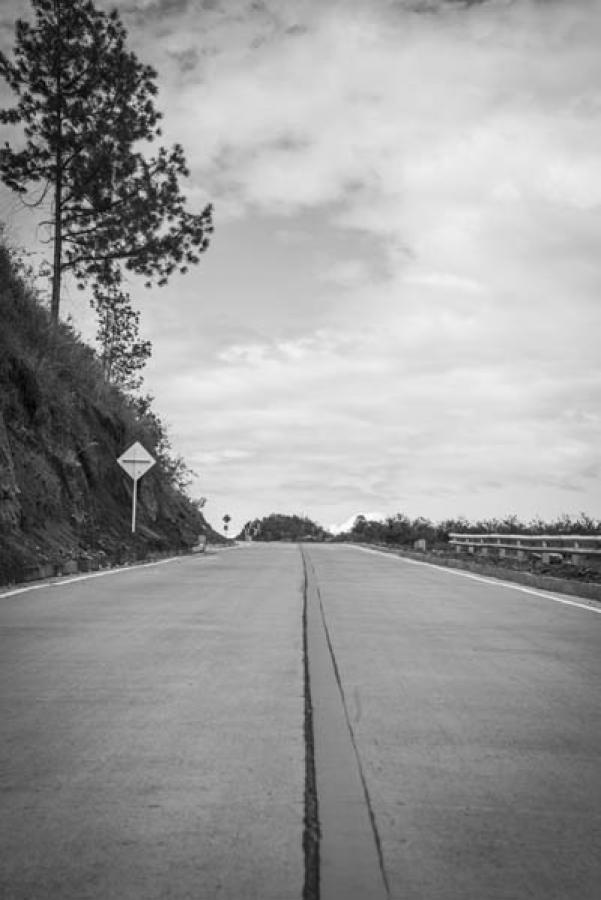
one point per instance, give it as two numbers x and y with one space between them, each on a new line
136 461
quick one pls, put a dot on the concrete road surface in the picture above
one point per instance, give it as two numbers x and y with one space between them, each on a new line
476 712
151 733
152 739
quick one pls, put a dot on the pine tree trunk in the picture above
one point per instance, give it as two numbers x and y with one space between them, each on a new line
58 184
56 268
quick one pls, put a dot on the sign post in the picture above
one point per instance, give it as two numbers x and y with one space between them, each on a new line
136 461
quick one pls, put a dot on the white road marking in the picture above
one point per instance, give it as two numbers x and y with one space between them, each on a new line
23 590
515 586
88 575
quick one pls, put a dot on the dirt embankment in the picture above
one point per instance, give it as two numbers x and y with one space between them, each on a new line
65 504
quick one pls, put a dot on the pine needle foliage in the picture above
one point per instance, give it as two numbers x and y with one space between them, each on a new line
122 353
85 104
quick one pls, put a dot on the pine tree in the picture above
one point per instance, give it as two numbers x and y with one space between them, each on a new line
122 353
85 103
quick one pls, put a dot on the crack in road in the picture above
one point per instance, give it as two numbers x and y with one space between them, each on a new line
348 860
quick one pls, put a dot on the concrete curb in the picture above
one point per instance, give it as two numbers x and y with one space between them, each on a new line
583 589
47 571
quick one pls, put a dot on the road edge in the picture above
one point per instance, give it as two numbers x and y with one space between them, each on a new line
311 815
579 602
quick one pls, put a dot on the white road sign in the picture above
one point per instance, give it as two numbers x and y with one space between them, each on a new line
136 461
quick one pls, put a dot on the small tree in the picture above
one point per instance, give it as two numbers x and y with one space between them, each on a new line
85 102
123 354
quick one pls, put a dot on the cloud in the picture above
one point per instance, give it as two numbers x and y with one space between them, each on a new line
400 305
379 422
348 524
347 273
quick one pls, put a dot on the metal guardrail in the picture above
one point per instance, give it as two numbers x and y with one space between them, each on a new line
575 548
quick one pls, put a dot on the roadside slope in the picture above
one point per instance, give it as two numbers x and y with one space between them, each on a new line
62 495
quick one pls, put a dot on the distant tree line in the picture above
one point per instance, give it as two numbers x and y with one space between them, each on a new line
401 530
278 527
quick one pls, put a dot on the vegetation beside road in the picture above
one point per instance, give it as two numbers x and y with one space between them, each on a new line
63 497
107 204
400 532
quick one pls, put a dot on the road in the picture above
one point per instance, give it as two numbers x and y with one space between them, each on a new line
154 728
152 733
476 713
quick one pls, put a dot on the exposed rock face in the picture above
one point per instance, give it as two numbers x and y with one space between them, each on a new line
10 507
148 496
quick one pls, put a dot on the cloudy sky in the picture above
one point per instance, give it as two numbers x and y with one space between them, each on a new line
400 310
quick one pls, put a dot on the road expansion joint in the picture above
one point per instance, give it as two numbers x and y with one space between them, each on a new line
311 815
355 857
368 803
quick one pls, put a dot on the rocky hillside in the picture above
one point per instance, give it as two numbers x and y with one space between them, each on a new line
64 501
